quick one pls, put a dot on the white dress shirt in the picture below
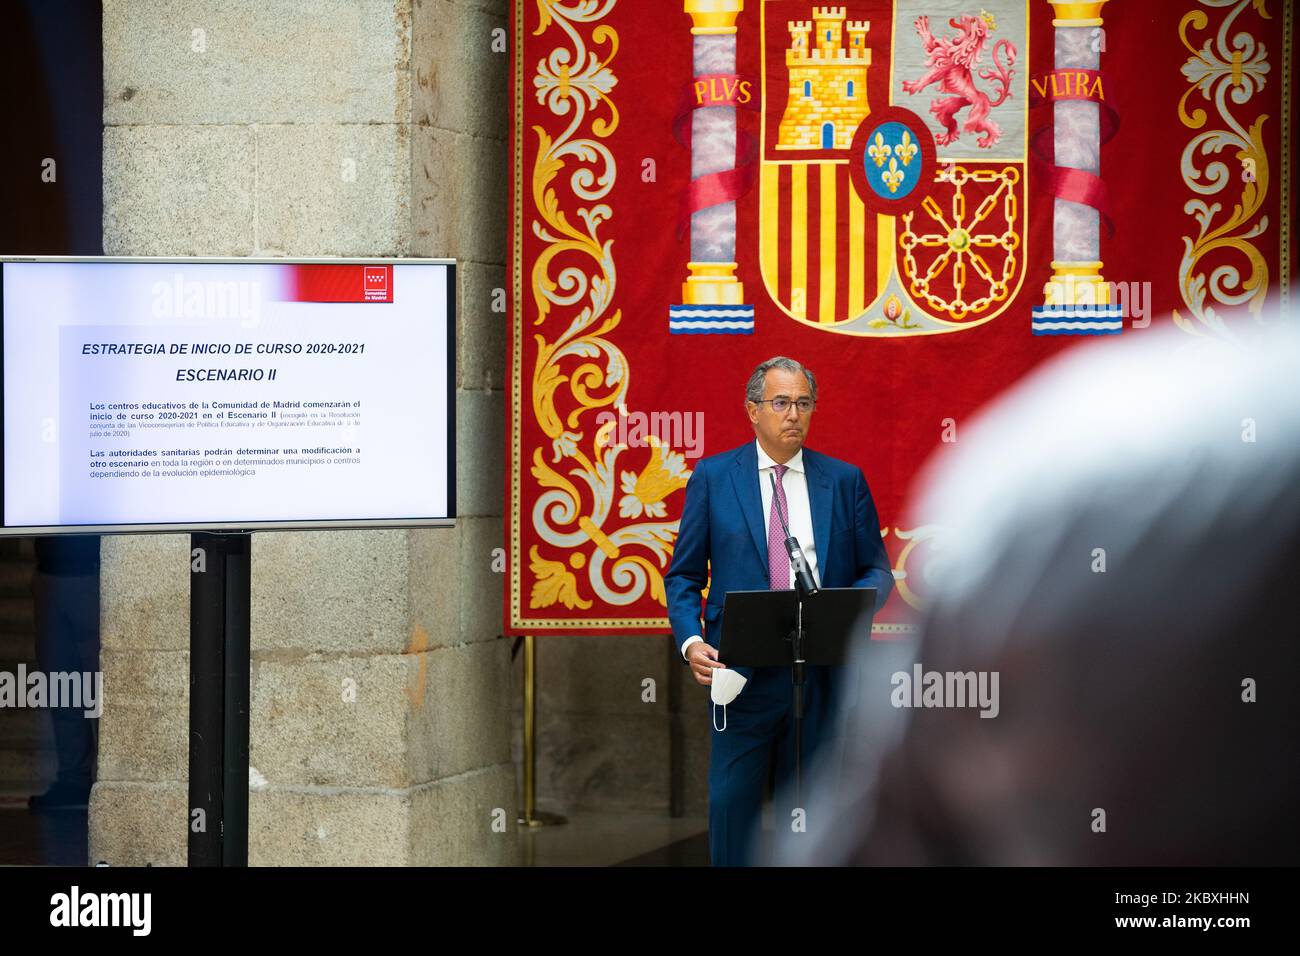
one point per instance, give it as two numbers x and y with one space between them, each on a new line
799 518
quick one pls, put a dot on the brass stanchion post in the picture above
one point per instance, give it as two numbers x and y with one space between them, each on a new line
531 817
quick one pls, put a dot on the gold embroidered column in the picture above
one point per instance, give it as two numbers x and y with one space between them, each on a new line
712 296
1077 298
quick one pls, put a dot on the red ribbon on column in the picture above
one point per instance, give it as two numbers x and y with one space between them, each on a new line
1065 182
728 185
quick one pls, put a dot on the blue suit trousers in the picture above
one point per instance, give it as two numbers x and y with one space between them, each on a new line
758 722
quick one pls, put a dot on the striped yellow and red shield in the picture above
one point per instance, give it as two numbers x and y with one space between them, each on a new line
866 227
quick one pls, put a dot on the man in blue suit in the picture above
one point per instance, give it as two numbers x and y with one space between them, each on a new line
732 526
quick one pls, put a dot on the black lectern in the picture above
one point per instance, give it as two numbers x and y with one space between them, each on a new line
780 628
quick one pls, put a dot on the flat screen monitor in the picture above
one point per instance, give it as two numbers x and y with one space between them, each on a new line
187 394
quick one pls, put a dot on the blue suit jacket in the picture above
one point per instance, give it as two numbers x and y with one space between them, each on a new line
722 526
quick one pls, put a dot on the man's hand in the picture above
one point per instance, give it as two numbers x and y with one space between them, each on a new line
703 659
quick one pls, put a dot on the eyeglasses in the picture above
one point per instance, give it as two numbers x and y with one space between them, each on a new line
782 405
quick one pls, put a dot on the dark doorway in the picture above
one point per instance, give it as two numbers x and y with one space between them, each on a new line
51 203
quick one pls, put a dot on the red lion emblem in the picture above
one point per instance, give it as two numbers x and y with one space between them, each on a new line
951 61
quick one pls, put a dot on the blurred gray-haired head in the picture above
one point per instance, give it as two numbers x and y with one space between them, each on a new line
1120 544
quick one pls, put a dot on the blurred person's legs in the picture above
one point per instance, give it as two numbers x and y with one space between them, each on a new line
67 641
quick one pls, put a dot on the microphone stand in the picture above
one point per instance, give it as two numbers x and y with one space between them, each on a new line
797 679
805 587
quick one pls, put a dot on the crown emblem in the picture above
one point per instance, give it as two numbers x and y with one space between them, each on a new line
989 19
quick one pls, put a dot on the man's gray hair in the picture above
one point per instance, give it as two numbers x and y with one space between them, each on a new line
754 390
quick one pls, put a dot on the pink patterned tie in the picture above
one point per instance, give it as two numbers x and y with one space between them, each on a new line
778 560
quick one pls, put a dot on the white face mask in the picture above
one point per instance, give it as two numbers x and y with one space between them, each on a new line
726 687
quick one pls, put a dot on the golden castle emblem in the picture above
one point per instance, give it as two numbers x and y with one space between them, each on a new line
828 81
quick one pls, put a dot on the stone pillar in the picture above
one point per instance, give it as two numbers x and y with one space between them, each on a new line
371 128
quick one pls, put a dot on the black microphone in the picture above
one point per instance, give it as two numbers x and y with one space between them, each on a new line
802 574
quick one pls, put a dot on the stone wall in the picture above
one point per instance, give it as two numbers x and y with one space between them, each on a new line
602 745
369 128
373 128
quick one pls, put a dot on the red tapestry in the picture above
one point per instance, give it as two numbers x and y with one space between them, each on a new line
920 201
